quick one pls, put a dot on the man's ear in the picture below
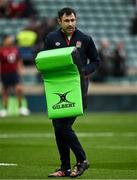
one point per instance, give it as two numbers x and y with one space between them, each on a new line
59 21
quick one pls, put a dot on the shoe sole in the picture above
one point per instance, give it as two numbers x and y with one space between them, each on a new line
50 176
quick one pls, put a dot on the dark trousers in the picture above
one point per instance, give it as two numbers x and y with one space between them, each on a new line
66 139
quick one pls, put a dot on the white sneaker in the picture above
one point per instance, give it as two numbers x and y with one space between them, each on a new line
24 111
3 113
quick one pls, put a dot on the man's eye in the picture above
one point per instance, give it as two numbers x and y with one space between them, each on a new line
72 20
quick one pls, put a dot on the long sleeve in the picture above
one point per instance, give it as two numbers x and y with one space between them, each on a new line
47 44
93 57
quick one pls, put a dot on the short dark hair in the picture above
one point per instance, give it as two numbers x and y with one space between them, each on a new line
68 11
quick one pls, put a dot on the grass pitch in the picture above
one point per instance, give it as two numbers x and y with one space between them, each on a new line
28 149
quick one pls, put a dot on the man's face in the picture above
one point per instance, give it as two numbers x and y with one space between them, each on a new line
8 41
68 23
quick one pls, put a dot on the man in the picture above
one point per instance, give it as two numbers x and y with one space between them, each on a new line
119 60
10 69
104 69
66 139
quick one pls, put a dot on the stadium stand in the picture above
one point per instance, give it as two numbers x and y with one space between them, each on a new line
109 19
100 19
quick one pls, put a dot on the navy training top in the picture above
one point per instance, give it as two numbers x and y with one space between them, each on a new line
83 42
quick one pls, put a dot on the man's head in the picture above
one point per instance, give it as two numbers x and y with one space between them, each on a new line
104 43
8 40
119 45
67 20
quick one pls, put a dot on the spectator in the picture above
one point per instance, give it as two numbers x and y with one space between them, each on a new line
42 28
21 9
26 41
47 25
134 2
30 11
3 8
104 69
119 60
11 69
133 28
16 8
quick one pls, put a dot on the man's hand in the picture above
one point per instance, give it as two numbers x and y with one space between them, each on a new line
21 69
85 75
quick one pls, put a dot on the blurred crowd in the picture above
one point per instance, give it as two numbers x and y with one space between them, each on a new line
19 50
113 61
30 40
17 9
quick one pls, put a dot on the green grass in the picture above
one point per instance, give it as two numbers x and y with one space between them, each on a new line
109 139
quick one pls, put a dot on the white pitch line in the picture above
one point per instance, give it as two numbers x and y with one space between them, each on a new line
7 164
117 147
82 134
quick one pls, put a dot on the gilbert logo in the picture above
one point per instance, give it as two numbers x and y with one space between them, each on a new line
63 102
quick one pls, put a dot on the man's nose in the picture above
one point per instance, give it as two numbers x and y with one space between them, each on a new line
70 22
